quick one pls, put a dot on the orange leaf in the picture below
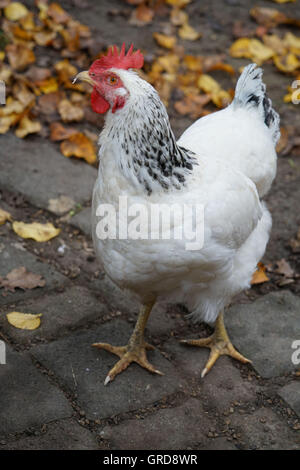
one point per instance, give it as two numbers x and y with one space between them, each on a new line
80 146
165 41
59 132
259 277
57 13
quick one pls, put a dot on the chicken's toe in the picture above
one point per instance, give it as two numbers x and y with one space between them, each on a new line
127 354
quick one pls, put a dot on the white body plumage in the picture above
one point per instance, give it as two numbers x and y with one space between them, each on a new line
234 163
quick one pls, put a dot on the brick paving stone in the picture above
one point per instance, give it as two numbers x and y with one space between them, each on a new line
40 172
264 430
82 220
170 429
291 395
83 369
27 398
115 297
12 257
264 331
222 386
62 435
60 313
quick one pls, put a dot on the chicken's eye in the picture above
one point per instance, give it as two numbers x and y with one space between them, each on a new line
112 80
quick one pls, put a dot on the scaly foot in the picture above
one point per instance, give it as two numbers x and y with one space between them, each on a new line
128 354
219 345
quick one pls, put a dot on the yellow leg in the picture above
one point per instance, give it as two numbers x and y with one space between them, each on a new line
218 343
135 351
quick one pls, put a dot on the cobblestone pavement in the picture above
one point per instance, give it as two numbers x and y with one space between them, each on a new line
51 389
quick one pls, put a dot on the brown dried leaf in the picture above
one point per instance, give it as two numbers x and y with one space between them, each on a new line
65 71
295 243
47 104
70 112
22 279
269 17
61 205
283 141
23 94
80 146
19 56
284 268
44 38
141 15
192 105
38 74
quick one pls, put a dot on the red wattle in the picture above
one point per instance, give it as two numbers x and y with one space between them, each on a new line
98 103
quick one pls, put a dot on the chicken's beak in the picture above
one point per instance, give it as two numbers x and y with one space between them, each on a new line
84 76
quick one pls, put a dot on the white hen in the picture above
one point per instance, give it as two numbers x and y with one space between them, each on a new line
223 162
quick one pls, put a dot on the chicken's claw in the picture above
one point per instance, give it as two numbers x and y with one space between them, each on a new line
127 355
219 345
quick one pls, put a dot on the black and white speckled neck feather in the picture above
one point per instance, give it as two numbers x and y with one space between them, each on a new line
147 150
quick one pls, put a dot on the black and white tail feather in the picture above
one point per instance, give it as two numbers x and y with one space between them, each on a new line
250 92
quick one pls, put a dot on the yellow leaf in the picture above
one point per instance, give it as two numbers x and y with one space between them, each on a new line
36 231
7 121
240 48
24 321
275 43
208 84
48 85
188 33
283 1
259 277
178 17
251 49
15 11
12 106
259 52
4 216
80 146
292 42
2 55
178 3
193 63
165 41
288 63
27 126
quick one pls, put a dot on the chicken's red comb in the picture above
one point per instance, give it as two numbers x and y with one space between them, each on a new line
134 60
